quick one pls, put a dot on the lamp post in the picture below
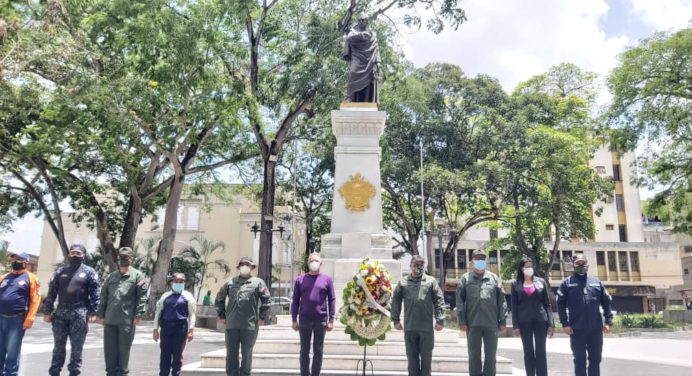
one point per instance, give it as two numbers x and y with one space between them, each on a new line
266 265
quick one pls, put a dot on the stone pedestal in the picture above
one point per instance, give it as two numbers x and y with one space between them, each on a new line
356 229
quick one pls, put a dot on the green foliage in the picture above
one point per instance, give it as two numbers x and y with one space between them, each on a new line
200 256
644 321
652 90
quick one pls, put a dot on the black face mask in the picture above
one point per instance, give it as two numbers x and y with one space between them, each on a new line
76 261
124 262
17 265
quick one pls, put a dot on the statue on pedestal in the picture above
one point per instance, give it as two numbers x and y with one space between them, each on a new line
362 51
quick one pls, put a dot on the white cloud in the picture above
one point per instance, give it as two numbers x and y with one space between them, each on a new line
664 14
514 39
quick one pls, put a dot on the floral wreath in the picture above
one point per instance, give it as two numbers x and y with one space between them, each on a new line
367 300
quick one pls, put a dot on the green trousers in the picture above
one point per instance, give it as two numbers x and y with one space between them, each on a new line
419 348
474 337
117 341
243 340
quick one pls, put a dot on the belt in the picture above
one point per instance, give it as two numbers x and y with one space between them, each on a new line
14 315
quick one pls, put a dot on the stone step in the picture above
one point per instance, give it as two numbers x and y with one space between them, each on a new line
279 346
194 369
398 363
338 334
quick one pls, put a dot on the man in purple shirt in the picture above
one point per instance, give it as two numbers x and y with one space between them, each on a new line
311 293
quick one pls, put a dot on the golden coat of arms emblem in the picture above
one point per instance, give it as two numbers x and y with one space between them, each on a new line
357 192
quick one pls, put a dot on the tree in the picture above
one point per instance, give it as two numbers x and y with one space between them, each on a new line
652 103
286 58
461 125
553 189
202 256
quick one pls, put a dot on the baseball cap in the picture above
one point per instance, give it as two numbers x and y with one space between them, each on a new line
247 260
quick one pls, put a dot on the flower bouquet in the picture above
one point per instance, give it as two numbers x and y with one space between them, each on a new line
367 300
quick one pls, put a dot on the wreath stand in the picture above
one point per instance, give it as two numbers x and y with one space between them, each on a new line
365 361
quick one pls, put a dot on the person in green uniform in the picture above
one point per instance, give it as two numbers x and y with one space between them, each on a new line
122 304
423 304
242 305
481 311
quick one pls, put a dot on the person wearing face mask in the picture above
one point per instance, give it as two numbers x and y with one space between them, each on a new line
424 311
313 293
242 305
19 302
532 317
122 305
481 312
175 316
580 299
75 289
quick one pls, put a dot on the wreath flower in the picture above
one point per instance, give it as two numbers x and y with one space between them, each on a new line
367 301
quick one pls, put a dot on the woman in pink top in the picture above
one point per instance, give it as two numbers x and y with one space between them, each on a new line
532 317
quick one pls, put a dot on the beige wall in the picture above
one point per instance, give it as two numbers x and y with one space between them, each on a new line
215 219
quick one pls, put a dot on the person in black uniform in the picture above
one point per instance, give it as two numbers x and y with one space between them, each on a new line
532 317
76 289
583 297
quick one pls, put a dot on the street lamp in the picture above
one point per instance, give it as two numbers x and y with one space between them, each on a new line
266 270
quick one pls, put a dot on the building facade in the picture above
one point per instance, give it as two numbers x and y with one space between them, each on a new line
639 273
217 219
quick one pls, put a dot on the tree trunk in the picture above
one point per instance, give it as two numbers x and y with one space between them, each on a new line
267 220
132 219
165 251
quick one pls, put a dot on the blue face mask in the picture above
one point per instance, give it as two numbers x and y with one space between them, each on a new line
479 264
177 287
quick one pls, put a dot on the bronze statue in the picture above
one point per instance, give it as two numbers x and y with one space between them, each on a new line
362 51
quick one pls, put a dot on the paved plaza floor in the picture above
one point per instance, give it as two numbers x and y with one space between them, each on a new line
651 354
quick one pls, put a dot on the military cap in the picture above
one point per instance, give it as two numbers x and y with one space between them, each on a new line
78 247
479 252
579 257
244 260
126 251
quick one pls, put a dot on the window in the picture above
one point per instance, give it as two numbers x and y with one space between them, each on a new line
493 233
610 227
622 229
461 259
611 262
437 259
620 203
600 258
609 199
634 261
622 257
492 257
547 235
600 169
686 271
616 173
688 249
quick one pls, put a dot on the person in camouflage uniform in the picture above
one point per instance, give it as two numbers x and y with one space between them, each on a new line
123 301
242 305
423 304
76 289
481 311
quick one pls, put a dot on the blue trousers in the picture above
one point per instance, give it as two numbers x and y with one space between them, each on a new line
72 324
172 337
587 344
11 335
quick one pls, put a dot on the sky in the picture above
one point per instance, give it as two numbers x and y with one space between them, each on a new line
514 40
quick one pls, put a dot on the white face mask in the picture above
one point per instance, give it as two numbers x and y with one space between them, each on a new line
245 270
314 266
528 272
